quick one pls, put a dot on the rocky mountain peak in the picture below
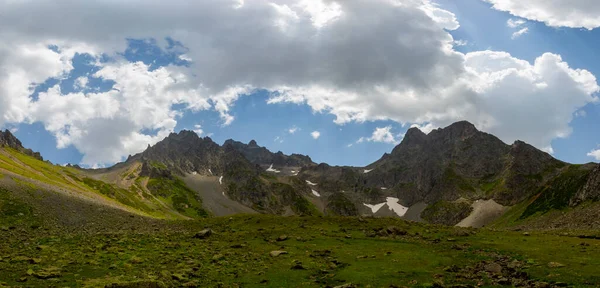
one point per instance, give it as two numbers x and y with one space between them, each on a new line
414 136
252 143
183 134
7 139
456 131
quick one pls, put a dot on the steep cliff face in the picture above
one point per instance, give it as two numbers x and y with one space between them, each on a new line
590 191
7 139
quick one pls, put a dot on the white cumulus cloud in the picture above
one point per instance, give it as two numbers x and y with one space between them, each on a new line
555 13
198 129
333 56
595 154
315 134
383 134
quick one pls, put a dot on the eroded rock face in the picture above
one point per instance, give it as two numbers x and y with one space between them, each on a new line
590 191
7 139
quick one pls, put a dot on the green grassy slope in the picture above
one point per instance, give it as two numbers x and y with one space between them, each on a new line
549 207
31 175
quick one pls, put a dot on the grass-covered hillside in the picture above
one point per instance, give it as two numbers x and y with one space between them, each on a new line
25 177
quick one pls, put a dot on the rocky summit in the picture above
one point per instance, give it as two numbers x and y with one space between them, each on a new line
8 140
187 211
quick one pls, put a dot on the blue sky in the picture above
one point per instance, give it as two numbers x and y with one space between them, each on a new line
482 27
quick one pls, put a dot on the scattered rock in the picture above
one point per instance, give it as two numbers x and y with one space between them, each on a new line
555 265
137 284
515 264
203 234
393 230
348 285
282 238
452 269
298 266
47 273
493 268
526 234
237 246
462 232
277 253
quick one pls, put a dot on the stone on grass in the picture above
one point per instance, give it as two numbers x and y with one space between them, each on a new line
203 234
277 253
555 265
493 268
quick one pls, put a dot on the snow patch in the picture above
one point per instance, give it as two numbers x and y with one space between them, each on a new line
375 207
311 183
209 171
316 193
194 173
392 204
221 181
395 206
383 188
367 171
270 169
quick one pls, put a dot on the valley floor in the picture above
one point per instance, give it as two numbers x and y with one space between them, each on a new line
319 252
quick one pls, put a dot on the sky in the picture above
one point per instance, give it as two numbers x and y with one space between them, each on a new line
91 82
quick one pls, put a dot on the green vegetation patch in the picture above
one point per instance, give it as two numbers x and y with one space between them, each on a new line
557 193
450 178
446 212
289 196
339 204
182 198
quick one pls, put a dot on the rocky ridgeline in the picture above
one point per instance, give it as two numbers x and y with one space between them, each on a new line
7 139
263 157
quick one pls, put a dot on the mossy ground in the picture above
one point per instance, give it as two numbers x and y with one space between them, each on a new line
322 251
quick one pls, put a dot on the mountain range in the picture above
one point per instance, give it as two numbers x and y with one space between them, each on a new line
455 175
